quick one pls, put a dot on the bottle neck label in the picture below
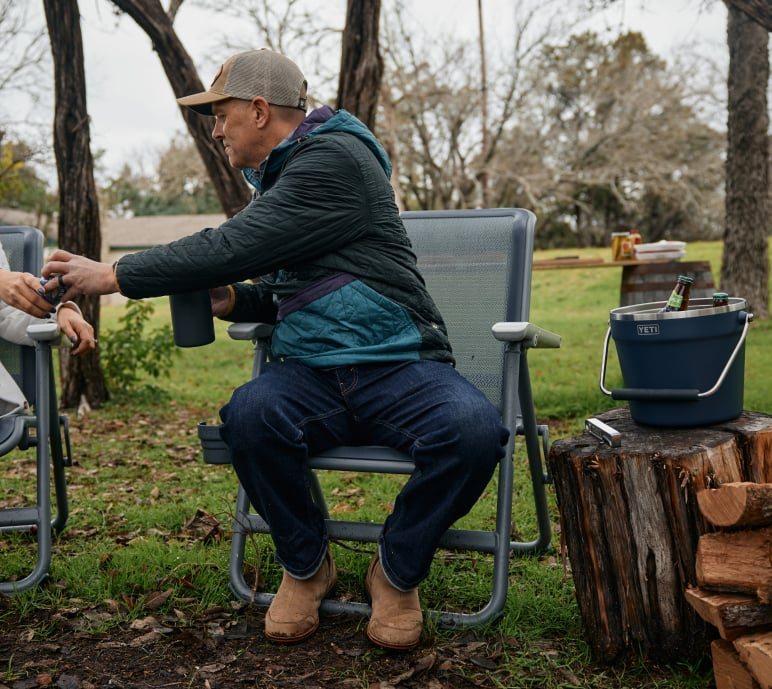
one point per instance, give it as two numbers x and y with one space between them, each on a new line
675 300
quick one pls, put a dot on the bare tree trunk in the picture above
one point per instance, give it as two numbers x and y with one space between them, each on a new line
361 66
482 175
745 265
79 229
150 16
758 10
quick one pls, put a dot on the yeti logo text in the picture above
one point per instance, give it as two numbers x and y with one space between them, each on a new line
648 329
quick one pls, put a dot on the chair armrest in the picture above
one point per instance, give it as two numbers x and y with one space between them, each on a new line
249 331
43 332
529 334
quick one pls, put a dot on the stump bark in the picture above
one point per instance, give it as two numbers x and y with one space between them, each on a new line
630 524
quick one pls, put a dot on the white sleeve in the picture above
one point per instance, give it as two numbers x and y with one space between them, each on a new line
13 322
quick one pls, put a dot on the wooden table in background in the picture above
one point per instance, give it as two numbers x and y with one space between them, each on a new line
643 281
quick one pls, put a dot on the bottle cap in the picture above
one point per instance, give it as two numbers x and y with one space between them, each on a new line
686 279
720 295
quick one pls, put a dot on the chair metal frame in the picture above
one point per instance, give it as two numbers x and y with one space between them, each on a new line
517 336
32 368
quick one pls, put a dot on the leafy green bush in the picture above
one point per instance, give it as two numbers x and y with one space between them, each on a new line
130 351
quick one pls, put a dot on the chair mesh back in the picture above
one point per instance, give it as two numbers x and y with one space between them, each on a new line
477 267
24 248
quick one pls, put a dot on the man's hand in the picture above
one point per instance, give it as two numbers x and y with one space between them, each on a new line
221 300
76 328
20 290
79 275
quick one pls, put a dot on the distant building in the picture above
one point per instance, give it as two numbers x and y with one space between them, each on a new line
123 235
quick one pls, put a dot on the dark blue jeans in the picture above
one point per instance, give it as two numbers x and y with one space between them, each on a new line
426 409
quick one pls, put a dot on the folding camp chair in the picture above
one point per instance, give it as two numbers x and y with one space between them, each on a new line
42 427
477 267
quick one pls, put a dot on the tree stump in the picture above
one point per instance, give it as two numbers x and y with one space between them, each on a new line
630 524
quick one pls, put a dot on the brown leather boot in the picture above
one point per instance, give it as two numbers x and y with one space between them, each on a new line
396 620
294 611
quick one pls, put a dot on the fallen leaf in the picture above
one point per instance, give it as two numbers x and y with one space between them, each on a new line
212 668
426 662
157 599
149 623
149 638
483 662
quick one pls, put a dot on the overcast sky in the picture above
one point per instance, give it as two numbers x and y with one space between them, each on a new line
133 113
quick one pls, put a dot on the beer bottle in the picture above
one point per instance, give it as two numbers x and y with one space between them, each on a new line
679 298
720 299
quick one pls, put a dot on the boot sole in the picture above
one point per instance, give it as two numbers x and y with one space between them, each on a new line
392 646
291 639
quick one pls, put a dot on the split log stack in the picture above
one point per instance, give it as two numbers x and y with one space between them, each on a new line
631 524
734 582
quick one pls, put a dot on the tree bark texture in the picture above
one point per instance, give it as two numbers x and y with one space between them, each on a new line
630 523
79 228
482 175
758 10
745 268
732 614
361 65
182 75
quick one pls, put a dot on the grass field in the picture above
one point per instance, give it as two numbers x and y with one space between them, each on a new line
142 498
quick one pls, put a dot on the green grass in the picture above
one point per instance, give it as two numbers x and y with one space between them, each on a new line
143 503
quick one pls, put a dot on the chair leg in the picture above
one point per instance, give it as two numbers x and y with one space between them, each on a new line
317 494
536 468
59 462
42 511
494 609
242 528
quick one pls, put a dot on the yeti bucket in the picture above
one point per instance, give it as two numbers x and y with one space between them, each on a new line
680 368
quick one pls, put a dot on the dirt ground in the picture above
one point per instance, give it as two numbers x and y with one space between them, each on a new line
225 648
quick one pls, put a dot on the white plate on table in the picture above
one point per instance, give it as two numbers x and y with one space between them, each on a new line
660 255
659 251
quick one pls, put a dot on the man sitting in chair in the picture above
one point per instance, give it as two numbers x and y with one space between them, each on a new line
360 353
21 305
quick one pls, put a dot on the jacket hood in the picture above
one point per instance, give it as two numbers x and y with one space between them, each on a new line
320 121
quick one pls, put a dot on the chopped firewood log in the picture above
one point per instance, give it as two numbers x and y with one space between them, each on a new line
738 561
732 614
755 651
737 504
729 671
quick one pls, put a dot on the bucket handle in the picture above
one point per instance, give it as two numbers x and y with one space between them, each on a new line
672 394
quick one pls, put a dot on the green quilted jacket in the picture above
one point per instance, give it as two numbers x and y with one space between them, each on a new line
337 275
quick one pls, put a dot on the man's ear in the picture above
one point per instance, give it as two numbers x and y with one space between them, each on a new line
261 111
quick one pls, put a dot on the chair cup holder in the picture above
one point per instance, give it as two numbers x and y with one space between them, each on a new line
214 447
